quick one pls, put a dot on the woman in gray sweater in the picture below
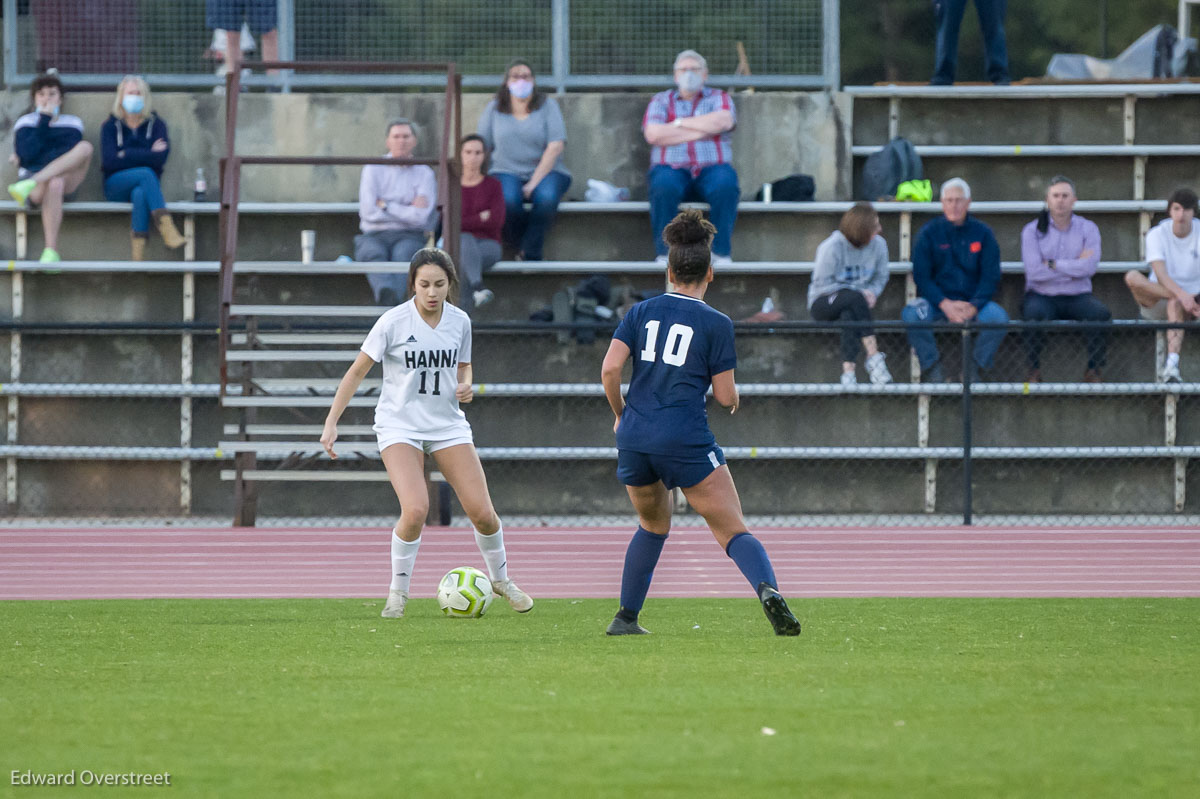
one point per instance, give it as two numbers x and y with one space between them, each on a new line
850 272
525 134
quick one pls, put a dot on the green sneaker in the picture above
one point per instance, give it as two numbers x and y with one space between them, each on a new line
49 256
21 190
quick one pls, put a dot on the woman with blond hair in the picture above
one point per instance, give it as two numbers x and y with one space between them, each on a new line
133 149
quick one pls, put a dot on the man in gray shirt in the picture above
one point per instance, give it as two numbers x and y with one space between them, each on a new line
395 204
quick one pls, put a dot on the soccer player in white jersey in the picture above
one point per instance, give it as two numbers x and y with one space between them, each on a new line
425 347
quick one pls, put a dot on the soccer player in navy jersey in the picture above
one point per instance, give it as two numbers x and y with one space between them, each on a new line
680 347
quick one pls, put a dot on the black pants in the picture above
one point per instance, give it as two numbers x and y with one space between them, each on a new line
1077 307
846 305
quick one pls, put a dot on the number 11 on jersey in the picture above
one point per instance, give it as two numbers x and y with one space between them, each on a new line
437 383
679 338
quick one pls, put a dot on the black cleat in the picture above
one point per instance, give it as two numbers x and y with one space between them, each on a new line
619 626
777 611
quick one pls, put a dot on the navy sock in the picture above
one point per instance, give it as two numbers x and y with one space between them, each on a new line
640 559
748 553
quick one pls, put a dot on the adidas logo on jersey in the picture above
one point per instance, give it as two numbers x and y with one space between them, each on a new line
411 340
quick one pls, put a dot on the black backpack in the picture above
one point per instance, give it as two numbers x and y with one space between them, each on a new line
896 163
792 189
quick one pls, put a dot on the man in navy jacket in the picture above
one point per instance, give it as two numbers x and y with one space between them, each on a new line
956 266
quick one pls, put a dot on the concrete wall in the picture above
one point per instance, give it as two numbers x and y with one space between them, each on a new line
779 133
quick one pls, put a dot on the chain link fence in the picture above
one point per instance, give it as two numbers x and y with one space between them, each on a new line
585 43
100 428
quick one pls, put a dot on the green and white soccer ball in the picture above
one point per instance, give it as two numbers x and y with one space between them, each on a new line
465 593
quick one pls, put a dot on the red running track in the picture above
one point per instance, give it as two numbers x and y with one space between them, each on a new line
104 563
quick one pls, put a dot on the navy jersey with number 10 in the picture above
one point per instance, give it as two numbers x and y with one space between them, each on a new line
677 344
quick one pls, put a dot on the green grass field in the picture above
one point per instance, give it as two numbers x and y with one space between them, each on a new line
878 697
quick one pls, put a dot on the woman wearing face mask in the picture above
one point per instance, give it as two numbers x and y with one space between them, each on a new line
52 158
525 133
133 149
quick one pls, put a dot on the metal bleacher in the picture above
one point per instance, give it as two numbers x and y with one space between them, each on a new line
266 335
290 449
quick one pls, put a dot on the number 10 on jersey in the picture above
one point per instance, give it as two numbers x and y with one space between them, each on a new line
675 349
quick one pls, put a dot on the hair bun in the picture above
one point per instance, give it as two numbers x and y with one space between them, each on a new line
689 228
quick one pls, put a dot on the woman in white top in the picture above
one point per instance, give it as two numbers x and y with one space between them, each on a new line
425 347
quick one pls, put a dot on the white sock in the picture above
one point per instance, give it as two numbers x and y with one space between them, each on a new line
492 549
404 555
1172 360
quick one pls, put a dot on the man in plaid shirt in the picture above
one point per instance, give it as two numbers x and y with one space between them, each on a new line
690 157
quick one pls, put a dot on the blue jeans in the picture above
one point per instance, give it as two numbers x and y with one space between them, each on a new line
1077 307
716 185
949 14
525 231
388 245
918 313
139 186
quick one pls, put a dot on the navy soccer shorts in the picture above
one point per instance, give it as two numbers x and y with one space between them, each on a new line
642 468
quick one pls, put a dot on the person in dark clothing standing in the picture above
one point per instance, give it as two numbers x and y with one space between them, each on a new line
949 15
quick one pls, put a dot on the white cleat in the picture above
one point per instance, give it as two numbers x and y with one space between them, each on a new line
1170 374
394 609
521 602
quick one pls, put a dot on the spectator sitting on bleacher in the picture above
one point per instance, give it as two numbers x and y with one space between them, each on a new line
1061 252
52 156
850 272
525 134
133 149
956 266
1172 292
482 219
395 204
691 157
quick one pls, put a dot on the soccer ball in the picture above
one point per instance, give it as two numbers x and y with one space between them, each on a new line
465 593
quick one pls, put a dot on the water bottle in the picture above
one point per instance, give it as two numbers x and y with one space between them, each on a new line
201 194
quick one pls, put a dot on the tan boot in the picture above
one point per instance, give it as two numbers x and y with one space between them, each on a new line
171 235
138 244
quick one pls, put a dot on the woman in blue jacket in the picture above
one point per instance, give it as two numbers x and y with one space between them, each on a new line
133 149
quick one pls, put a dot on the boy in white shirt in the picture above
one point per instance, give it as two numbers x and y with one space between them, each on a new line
1172 291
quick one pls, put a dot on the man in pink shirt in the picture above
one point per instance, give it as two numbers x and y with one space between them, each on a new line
688 129
1061 252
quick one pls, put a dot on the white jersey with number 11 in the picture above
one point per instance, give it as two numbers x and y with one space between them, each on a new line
420 371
